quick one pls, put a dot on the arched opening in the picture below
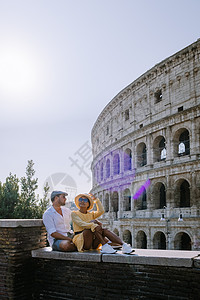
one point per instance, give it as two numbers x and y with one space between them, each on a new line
127 200
127 237
159 149
182 194
141 155
116 164
159 195
101 171
162 196
108 168
181 142
127 159
141 202
162 149
184 143
182 241
159 241
141 240
115 201
144 200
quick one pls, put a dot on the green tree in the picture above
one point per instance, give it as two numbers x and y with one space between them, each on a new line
9 197
30 206
26 208
18 197
43 203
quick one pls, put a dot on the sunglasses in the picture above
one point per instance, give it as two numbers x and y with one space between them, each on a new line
83 199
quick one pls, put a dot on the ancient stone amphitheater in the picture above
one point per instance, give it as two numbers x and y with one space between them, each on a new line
146 156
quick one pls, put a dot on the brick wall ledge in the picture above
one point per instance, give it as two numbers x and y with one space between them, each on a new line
169 258
20 223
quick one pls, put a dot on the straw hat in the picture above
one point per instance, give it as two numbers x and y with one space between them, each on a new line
91 201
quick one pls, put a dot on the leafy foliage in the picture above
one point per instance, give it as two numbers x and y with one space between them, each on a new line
9 197
24 204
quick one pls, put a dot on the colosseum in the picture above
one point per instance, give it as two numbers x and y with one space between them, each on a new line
146 156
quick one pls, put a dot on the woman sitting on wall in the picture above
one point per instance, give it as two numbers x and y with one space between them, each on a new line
88 232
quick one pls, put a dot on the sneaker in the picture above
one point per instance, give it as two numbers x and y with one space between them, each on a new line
126 249
107 249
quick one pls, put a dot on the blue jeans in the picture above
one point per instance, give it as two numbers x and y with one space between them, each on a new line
56 245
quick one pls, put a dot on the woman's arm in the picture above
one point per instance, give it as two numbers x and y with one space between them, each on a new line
84 225
100 209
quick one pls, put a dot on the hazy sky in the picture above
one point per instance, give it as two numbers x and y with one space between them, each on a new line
61 62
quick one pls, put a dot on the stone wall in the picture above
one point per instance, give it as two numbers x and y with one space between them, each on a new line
17 239
148 274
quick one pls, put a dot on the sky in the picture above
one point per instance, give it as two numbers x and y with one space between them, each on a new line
62 61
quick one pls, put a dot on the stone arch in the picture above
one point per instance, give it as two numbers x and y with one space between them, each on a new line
127 159
159 240
116 164
141 155
182 241
127 237
159 195
127 200
181 142
141 200
107 168
115 201
141 240
182 193
159 149
101 171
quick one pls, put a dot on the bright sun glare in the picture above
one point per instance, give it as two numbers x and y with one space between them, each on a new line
18 72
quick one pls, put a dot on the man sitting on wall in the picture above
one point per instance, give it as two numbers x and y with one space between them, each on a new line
57 222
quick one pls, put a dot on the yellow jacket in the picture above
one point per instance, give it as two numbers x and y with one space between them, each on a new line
82 221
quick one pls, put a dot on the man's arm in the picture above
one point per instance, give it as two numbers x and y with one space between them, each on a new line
59 236
50 227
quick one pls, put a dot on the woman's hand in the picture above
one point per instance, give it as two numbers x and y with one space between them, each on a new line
93 197
96 222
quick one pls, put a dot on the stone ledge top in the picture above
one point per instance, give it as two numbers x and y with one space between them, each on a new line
21 223
172 258
47 252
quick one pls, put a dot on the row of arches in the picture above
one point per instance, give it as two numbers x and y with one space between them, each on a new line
157 197
181 146
181 241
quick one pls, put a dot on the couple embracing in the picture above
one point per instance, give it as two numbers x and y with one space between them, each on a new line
88 233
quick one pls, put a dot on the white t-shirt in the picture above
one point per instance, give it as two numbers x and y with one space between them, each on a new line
54 222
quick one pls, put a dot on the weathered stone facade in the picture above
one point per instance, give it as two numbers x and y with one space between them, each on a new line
146 148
